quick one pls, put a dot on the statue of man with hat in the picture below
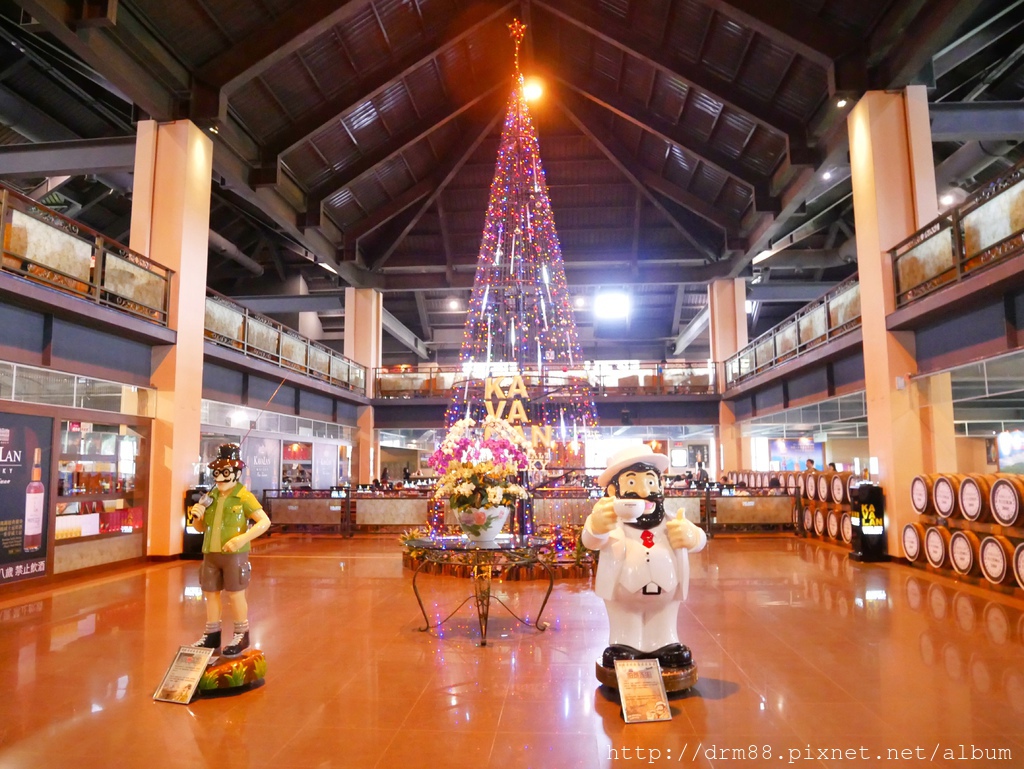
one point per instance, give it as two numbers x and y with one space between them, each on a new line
224 515
643 572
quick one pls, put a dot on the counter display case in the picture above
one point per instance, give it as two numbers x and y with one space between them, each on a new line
101 484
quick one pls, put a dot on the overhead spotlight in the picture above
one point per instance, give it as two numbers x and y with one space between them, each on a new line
827 175
612 305
454 304
841 103
580 301
946 200
533 89
214 130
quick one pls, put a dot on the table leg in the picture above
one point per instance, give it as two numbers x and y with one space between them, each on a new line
482 592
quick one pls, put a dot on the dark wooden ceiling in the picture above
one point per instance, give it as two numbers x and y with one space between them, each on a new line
355 142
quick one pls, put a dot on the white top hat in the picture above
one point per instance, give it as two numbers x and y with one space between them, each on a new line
630 455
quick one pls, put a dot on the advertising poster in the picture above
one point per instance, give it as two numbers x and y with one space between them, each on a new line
697 454
25 454
792 454
1010 446
262 457
642 691
325 465
182 677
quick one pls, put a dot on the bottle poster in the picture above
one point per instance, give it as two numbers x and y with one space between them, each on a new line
25 454
262 457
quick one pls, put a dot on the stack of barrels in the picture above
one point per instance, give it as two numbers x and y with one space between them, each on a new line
823 499
827 501
972 524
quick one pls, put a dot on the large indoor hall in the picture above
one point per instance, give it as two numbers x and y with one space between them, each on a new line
798 648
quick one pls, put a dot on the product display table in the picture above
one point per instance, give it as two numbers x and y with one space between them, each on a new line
505 552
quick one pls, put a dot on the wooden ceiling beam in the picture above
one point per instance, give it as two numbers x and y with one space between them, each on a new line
666 131
451 168
397 144
334 109
698 77
275 40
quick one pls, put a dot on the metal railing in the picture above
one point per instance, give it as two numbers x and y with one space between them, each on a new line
604 378
986 229
44 246
231 325
833 315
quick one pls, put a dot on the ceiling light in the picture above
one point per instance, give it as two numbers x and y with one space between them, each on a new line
841 103
762 256
827 175
214 129
612 305
580 301
453 304
947 199
532 89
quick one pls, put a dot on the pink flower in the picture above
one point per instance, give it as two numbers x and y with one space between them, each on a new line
479 517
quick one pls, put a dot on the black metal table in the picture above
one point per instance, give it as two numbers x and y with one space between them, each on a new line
507 551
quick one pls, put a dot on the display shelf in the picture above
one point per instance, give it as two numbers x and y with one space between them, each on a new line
99 490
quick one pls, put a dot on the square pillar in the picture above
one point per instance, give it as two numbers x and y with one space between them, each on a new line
171 225
894 195
727 302
364 310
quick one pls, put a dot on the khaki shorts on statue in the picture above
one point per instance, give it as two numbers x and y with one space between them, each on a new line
224 571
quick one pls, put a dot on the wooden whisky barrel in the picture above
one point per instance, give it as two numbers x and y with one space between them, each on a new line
846 527
840 485
921 494
963 552
973 496
832 522
913 541
1005 499
819 522
995 556
825 486
945 491
808 519
801 484
811 484
936 546
1018 565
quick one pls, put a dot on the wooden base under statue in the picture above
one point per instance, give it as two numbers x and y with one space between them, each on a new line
675 679
231 675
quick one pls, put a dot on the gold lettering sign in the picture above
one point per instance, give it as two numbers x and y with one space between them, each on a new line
510 408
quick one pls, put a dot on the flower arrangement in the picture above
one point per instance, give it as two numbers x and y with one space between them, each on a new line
479 472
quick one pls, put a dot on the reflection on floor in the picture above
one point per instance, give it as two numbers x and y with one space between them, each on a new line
799 650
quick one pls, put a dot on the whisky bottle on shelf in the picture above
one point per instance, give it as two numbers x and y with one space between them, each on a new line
34 506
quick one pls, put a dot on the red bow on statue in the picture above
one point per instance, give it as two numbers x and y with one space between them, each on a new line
647 538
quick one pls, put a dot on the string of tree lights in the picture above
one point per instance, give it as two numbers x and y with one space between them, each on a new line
520 318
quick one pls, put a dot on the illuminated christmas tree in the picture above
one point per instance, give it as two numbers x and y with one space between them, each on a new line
520 319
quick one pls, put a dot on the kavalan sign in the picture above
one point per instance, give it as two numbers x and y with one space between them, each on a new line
509 405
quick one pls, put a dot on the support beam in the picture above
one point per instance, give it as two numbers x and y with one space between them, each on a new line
289 303
930 30
621 37
787 292
451 168
275 40
630 169
979 121
421 309
401 332
68 158
634 113
693 329
333 109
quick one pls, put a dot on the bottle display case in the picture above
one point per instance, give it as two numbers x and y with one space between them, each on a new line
101 484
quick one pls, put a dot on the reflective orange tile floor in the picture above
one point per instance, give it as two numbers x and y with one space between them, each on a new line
799 651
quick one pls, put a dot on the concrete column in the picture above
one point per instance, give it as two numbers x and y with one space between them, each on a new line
727 300
935 400
171 225
894 195
363 327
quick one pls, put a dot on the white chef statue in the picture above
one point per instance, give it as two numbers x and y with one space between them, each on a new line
643 572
